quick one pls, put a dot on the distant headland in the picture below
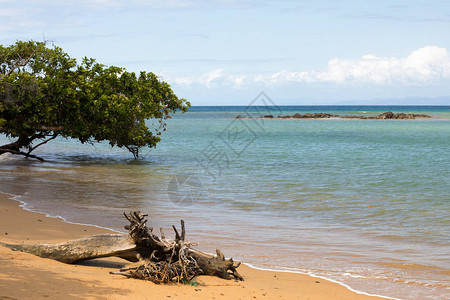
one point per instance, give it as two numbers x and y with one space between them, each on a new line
384 116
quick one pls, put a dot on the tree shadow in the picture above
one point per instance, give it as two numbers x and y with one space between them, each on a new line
109 263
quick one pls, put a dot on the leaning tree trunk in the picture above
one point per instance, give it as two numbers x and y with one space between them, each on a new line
155 258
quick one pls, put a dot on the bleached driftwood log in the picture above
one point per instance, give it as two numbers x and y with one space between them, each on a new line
154 258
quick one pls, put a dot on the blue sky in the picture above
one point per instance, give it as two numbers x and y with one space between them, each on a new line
226 52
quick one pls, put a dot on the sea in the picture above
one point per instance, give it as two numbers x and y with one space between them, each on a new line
365 203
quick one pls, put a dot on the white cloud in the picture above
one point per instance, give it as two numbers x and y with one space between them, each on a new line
209 79
212 79
284 76
426 66
239 81
423 66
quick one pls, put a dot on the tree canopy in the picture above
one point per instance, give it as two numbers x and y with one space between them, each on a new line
44 93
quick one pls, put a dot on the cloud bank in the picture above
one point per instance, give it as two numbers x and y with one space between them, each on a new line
425 66
211 79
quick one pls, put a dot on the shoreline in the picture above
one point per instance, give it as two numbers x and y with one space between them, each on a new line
25 207
21 225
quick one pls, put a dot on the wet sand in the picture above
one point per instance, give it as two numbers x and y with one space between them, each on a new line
25 276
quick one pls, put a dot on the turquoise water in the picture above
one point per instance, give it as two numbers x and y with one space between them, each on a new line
363 202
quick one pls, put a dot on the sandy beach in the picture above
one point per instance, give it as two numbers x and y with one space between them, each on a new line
25 276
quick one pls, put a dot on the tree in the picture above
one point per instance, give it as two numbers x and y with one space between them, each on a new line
44 93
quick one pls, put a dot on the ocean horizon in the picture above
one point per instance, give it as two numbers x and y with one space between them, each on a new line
362 202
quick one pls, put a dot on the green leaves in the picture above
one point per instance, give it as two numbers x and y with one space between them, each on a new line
43 90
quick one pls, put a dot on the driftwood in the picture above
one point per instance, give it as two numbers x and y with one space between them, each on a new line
154 258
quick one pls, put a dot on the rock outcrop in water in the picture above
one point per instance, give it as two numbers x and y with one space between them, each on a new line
389 115
384 116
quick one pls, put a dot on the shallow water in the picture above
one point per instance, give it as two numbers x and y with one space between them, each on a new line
364 202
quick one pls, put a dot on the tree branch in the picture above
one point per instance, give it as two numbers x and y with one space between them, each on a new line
21 63
12 151
44 142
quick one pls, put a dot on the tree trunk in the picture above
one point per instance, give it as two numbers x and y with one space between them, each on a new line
26 142
97 246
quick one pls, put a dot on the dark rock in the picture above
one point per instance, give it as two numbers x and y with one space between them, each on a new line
384 116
